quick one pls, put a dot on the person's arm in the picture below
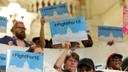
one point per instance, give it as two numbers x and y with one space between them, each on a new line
60 61
42 38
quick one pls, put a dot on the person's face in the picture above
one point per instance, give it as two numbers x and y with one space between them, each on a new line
71 64
19 31
115 63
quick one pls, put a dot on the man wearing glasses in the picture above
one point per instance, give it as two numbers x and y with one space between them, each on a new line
18 31
114 61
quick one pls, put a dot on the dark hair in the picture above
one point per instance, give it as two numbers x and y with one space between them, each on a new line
35 38
113 55
49 43
74 55
87 62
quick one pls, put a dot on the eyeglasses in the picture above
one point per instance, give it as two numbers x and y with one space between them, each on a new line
21 28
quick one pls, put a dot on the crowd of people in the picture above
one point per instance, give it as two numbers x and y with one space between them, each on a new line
69 61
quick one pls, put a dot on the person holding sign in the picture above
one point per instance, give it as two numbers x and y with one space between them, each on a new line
70 61
42 42
39 41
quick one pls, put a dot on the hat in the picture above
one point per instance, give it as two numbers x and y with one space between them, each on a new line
113 55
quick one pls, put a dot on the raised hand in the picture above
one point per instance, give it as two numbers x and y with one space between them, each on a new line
67 45
42 21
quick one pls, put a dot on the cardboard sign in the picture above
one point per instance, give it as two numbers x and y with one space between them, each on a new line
108 32
73 29
56 12
2 62
3 24
24 61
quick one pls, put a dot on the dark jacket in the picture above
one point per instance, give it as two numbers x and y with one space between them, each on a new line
6 39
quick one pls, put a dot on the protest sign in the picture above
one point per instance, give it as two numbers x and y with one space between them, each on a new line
24 61
3 24
73 29
110 33
56 12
